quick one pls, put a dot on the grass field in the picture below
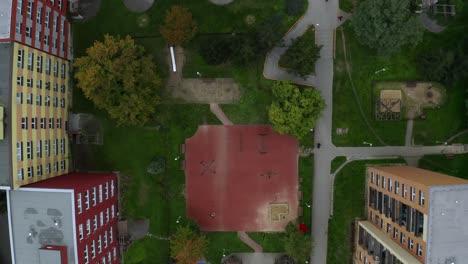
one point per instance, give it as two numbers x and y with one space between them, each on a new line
348 205
336 163
456 166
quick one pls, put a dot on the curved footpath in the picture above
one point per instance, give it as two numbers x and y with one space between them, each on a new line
323 14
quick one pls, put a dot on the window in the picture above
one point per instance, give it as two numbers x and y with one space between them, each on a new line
62 71
39 148
55 145
43 122
101 218
28 32
112 188
56 68
384 183
114 253
100 193
48 66
34 123
113 211
389 228
88 226
30 172
372 181
60 4
62 27
19 97
111 235
413 193
29 10
410 243
55 101
378 180
29 98
24 123
390 185
55 23
105 239
95 222
19 6
381 223
78 203
39 15
59 125
38 99
62 146
39 64
19 151
55 87
109 257
402 238
62 165
47 147
47 101
20 58
80 231
38 35
20 174
29 82
47 16
56 166
405 191
419 250
107 214
46 39
62 103
93 249
29 146
19 80
86 257
47 168
395 233
99 244
94 196
87 199
104 260
54 43
360 255
51 125
107 190
421 198
18 27
62 88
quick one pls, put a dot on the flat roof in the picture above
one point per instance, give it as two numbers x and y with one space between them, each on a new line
5 18
447 240
47 256
41 218
241 178
421 176
6 51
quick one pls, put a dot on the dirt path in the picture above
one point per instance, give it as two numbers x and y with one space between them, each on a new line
249 241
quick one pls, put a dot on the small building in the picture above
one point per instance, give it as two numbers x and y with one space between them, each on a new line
68 219
413 216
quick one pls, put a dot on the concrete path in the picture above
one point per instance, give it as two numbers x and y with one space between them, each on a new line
409 132
457 135
249 241
430 24
258 258
218 112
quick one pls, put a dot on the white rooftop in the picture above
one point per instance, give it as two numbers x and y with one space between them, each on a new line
5 18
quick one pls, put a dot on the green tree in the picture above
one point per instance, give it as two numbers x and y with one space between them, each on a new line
294 111
301 56
179 26
216 50
297 245
187 246
269 34
387 25
118 77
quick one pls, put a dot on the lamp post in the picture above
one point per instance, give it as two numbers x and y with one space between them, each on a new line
306 204
442 142
381 70
176 158
199 74
367 143
178 219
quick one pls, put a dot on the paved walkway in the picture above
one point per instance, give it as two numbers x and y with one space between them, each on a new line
430 24
409 132
249 241
218 112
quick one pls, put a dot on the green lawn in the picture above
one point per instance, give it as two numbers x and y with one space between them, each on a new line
456 166
336 163
348 205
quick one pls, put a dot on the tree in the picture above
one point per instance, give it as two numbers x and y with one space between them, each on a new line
187 246
216 50
301 56
269 33
118 77
297 245
294 111
178 27
387 25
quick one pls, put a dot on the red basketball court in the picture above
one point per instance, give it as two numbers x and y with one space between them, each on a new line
241 178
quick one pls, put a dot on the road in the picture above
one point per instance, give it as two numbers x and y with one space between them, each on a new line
323 14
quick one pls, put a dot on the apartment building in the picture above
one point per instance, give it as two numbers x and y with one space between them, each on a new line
413 216
67 219
40 24
34 97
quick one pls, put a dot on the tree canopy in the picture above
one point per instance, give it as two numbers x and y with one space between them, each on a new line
179 26
387 25
118 77
187 246
294 111
297 245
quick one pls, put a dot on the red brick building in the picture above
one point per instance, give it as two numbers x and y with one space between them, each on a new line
40 24
72 217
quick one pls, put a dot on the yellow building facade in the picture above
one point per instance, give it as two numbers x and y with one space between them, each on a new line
39 115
